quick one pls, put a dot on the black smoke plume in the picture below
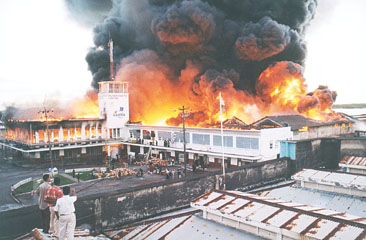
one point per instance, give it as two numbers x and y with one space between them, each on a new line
90 12
245 36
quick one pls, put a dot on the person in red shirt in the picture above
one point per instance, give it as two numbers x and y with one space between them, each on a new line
51 196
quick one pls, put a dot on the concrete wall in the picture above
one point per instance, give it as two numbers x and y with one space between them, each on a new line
128 205
325 131
314 153
353 147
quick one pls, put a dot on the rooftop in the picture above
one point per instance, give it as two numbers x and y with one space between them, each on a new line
334 179
353 161
333 201
179 227
273 216
295 121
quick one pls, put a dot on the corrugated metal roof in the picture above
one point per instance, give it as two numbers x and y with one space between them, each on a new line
192 226
345 180
353 160
300 219
331 202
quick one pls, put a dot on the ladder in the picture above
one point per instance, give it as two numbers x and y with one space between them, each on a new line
148 154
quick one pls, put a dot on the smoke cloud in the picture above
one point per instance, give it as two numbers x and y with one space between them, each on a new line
180 52
90 12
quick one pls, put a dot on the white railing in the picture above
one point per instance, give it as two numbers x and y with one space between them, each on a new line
15 186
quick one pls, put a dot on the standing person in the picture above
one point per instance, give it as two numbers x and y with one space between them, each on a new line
65 212
51 195
43 206
173 173
167 173
141 172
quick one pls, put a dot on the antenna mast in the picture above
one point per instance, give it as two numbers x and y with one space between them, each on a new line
110 44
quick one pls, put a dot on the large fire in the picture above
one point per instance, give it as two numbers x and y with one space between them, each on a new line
156 100
281 88
86 107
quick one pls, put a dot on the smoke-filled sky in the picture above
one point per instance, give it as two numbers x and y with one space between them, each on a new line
43 45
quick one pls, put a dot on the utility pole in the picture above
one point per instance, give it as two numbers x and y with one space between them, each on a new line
45 113
110 44
222 109
184 115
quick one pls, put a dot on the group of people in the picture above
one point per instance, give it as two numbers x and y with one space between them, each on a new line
170 174
57 208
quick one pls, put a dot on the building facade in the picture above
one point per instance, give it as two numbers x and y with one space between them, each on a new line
111 136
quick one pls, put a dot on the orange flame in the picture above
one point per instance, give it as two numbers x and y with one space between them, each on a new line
156 95
86 107
280 88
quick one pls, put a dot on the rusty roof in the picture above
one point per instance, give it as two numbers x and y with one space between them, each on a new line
345 180
180 226
353 160
301 219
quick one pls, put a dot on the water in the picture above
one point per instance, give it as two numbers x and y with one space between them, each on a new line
351 111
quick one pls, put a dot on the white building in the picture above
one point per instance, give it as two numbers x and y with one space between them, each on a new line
205 143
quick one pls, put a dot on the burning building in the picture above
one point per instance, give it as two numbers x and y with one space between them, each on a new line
112 134
184 53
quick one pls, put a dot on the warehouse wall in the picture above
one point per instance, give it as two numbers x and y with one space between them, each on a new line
315 153
353 147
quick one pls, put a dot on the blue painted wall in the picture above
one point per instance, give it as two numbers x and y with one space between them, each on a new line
288 149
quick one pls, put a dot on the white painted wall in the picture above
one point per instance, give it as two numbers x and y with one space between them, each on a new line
272 137
264 136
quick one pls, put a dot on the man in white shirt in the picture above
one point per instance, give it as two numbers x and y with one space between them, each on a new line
65 211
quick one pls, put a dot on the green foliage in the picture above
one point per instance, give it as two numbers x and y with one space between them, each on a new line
27 187
64 180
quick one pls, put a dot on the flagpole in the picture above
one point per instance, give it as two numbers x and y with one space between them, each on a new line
222 142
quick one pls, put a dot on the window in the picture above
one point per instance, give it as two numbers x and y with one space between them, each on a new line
247 143
135 133
64 131
178 137
93 134
87 131
146 134
114 133
111 88
55 133
165 135
78 132
228 141
201 139
72 132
